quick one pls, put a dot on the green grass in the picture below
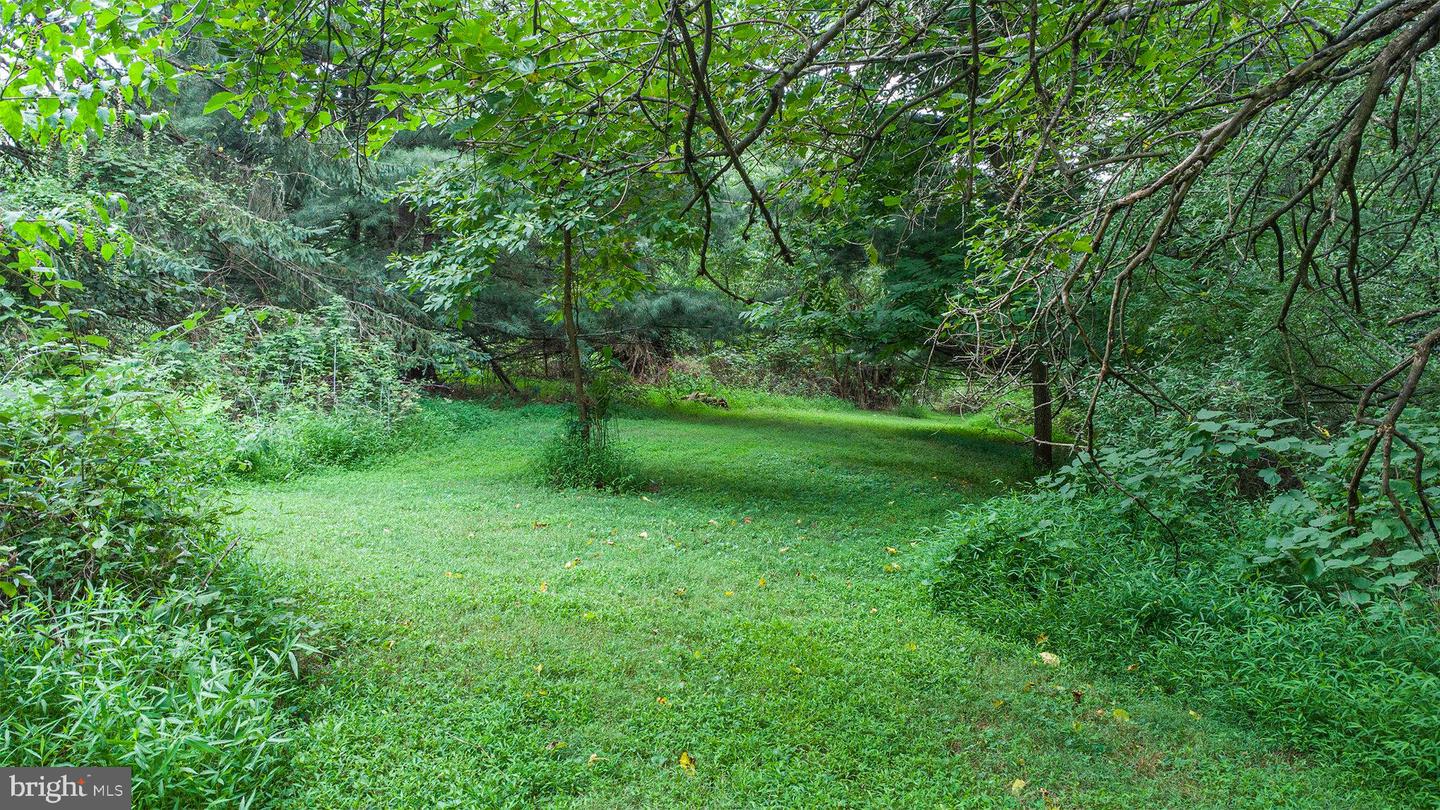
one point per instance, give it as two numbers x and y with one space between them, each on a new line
506 645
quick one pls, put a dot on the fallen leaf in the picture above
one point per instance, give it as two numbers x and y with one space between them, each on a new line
891 550
594 758
644 535
912 646
687 762
539 668
554 744
661 700
747 520
729 593
1018 786
544 587
714 522
540 524
679 591
573 563
784 549
1194 715
1050 659
762 582
891 568
1042 638
1121 715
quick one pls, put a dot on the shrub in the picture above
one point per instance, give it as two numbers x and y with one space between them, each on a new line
582 455
570 461
129 634
1104 583
103 477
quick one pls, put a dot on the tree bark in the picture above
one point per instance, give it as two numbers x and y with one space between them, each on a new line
1044 433
572 338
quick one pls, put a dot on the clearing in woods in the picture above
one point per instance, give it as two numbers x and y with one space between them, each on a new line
757 632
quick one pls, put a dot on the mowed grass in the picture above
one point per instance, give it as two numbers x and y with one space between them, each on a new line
764 613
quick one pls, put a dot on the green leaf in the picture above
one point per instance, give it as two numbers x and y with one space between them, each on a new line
219 100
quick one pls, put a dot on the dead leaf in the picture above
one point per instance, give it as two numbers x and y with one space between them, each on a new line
1050 659
1018 786
891 550
1121 715
573 563
687 762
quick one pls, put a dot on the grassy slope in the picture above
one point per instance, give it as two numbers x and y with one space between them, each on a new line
485 667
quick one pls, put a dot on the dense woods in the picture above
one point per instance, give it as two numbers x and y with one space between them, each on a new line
1164 271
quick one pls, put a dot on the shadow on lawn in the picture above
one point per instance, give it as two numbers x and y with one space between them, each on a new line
822 461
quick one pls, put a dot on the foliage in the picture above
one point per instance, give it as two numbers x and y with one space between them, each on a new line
583 455
186 690
1090 578
103 478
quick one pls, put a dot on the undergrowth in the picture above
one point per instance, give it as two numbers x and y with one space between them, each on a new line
1097 581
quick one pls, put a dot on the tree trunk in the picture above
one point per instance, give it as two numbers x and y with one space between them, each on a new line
572 338
1040 391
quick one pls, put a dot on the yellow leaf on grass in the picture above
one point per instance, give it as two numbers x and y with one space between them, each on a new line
1018 786
1050 659
661 700
762 582
892 568
544 586
573 563
687 762
729 593
891 550
1121 715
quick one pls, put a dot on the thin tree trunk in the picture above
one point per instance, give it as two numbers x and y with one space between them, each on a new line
572 337
1044 434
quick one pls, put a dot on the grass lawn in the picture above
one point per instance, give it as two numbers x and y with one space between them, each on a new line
764 616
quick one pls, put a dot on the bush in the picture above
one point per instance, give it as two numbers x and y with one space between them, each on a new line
570 461
129 634
581 455
1104 583
102 477
185 689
